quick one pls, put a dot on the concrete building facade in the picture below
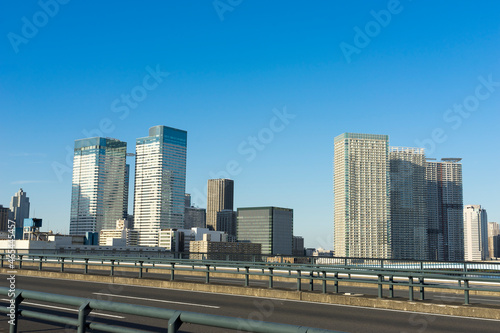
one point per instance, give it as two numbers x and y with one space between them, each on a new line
475 233
445 229
361 196
408 189
493 231
220 196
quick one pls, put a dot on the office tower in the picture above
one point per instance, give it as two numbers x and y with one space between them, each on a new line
408 188
475 233
445 209
220 194
99 194
361 192
160 182
19 208
272 227
226 221
187 200
4 218
493 231
195 217
298 246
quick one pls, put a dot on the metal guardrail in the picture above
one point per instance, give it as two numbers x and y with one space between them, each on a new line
313 260
174 318
455 279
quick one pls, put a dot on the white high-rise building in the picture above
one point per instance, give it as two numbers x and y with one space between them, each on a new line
408 188
475 233
19 208
362 200
160 182
99 193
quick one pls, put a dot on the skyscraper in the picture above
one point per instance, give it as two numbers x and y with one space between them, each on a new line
493 232
19 208
272 227
220 196
160 182
361 192
445 209
475 233
4 218
99 195
195 217
408 188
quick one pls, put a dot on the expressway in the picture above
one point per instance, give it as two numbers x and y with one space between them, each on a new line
328 316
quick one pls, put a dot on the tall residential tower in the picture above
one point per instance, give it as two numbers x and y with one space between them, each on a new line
475 233
445 229
19 208
408 189
361 191
160 182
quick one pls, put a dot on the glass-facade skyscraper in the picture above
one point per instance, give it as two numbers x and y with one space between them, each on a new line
361 196
272 227
19 208
160 182
99 194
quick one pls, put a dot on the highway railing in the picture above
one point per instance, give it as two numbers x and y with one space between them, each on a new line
83 321
463 280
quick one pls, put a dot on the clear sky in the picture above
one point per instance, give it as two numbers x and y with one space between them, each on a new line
261 87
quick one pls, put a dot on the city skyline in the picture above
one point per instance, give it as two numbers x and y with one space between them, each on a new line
262 105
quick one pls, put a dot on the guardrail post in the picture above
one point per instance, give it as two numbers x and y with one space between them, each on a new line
83 312
381 263
466 291
172 272
380 291
207 277
311 281
1 261
17 300
271 277
247 279
422 291
174 323
410 289
20 261
324 283
336 283
86 267
40 263
391 286
62 265
141 265
299 281
112 270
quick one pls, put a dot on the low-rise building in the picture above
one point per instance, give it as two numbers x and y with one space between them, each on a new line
210 250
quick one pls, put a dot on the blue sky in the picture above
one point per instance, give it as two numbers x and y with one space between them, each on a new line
232 67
